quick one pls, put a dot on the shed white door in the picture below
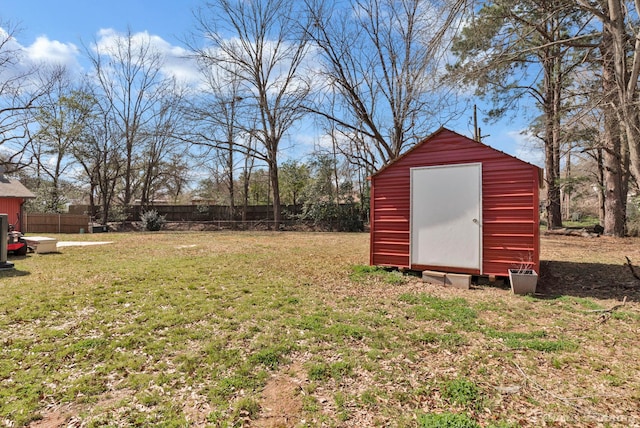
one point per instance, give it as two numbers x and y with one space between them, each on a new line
446 214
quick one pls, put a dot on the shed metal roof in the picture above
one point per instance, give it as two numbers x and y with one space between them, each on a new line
443 130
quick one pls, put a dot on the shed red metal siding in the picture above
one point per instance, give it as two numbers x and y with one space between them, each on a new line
12 207
510 218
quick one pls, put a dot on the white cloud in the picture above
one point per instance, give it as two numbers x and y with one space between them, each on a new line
48 51
176 60
527 147
516 141
42 51
180 65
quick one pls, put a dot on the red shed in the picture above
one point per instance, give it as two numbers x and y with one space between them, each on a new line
12 196
453 204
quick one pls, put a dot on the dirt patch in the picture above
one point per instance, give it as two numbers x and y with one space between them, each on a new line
281 400
52 420
67 416
58 416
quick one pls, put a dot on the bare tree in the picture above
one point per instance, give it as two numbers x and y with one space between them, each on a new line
245 178
100 154
61 119
22 85
158 159
216 120
261 42
128 71
380 62
174 177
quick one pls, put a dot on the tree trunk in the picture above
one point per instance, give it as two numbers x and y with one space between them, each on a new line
554 213
277 209
105 207
552 64
232 196
245 196
566 197
614 218
601 210
552 166
92 199
625 63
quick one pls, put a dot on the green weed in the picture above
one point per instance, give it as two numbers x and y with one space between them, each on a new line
535 340
310 404
456 311
346 331
447 340
340 400
582 302
462 392
324 371
625 316
360 273
271 357
446 420
369 398
613 380
246 407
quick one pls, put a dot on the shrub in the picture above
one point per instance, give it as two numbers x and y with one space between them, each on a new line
334 217
152 221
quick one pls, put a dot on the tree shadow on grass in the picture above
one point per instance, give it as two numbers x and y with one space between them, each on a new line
601 281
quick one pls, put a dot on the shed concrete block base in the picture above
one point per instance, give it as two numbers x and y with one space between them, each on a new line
457 280
434 277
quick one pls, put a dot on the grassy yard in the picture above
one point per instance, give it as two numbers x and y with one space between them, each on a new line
293 329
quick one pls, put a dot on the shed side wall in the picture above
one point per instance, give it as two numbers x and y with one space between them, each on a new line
11 207
509 202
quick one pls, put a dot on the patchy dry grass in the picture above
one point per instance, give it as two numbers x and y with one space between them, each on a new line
291 329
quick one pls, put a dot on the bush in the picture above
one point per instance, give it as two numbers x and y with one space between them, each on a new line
152 221
350 218
334 217
117 213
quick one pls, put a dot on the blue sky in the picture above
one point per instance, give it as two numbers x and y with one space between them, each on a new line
58 29
70 21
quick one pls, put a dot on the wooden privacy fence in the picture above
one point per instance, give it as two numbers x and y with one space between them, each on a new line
55 223
181 213
198 213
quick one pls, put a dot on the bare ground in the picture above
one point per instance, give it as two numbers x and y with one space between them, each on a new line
281 400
